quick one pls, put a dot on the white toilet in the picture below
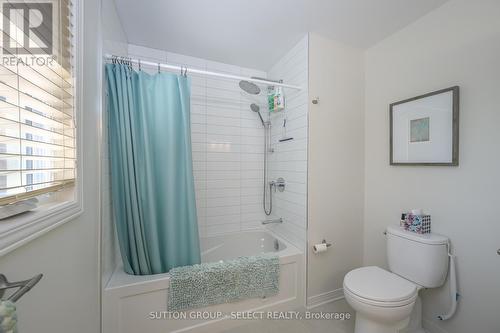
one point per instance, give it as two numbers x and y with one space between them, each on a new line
384 300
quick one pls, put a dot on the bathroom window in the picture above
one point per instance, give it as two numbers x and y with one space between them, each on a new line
38 110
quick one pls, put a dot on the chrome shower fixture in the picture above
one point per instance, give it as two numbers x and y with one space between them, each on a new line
278 184
255 108
253 89
249 87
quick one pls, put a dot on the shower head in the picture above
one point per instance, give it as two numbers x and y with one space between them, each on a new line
249 87
255 108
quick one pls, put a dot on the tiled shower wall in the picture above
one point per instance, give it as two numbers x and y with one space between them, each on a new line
289 159
227 139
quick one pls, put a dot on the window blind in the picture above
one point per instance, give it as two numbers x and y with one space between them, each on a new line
37 122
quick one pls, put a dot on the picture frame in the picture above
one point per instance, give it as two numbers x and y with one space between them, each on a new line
424 130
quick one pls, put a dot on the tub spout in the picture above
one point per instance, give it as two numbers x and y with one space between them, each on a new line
280 220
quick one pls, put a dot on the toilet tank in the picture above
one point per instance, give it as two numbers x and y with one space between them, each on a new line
420 258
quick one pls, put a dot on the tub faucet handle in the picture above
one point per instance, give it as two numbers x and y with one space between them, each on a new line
280 184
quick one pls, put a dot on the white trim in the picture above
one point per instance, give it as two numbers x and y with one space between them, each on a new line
79 100
31 225
37 225
323 298
432 327
101 111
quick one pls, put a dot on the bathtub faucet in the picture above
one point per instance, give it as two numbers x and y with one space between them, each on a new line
280 220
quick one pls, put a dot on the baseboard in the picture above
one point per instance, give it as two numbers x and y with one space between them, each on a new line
323 298
431 326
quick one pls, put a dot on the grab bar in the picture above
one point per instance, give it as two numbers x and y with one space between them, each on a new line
280 220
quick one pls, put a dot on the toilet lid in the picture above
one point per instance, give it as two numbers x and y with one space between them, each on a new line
377 284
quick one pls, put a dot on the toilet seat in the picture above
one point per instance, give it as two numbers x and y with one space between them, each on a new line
375 286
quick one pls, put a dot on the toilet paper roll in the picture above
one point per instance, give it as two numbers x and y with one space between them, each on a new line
318 248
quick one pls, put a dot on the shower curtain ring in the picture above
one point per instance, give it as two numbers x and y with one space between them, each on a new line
158 68
139 65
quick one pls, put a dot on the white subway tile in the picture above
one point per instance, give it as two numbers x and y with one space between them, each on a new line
214 230
147 53
225 68
223 174
224 130
222 165
227 143
251 225
223 202
230 219
222 121
188 61
220 111
234 157
224 192
223 210
219 184
198 128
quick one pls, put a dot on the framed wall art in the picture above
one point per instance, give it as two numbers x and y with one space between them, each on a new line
424 129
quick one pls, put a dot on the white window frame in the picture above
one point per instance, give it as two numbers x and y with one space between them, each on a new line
21 229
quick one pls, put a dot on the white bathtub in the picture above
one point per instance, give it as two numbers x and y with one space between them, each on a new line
130 301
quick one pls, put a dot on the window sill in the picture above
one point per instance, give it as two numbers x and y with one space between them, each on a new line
21 229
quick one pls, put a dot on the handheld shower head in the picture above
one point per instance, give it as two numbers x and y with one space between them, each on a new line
255 108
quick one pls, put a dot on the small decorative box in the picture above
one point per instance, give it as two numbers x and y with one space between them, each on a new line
421 224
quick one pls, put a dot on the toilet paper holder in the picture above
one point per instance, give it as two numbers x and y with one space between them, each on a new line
321 247
327 244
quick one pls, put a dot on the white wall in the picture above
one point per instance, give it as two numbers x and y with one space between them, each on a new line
227 140
289 159
457 44
67 298
335 188
114 42
114 37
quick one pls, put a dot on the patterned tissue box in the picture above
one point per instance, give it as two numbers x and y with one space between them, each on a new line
420 224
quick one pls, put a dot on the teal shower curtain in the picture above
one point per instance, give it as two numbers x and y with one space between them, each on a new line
152 181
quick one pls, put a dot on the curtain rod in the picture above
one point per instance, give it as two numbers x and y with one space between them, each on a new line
183 70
